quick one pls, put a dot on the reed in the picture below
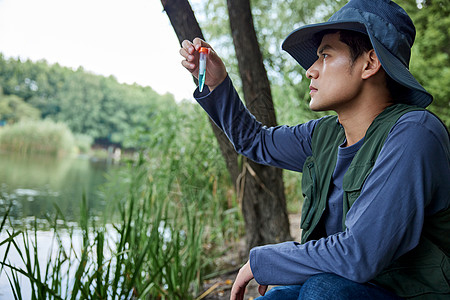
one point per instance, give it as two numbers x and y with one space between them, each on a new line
37 137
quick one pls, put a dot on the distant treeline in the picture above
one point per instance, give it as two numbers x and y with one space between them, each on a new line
93 105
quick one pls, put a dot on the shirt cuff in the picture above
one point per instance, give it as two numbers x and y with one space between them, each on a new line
206 93
254 265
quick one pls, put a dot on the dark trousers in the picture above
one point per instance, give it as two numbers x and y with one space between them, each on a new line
329 286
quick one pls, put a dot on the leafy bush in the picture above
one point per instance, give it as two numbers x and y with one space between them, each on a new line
37 137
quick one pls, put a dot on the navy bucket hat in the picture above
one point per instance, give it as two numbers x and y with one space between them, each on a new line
391 32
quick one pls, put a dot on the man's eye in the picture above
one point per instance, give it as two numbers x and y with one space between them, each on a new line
324 55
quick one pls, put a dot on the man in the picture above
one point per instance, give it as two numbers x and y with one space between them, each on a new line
376 178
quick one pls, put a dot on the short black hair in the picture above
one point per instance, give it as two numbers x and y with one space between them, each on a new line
358 44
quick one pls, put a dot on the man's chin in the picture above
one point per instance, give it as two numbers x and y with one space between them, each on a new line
318 108
315 107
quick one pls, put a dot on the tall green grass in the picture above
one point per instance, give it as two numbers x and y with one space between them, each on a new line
183 160
153 250
158 240
37 137
170 214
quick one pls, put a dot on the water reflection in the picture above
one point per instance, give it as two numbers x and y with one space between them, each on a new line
34 184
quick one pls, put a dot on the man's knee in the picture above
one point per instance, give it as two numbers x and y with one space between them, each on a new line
289 292
331 286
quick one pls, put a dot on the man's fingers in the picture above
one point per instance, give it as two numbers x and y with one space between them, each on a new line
216 71
187 51
188 65
186 55
198 42
238 290
262 289
188 46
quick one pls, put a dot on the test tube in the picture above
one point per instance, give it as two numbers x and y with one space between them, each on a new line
202 68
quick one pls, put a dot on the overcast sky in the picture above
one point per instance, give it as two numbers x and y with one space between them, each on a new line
129 39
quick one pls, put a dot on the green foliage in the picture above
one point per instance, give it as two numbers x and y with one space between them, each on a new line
34 137
83 142
13 109
430 61
89 104
183 156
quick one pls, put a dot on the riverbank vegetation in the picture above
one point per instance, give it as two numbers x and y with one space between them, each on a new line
37 137
155 248
160 234
171 212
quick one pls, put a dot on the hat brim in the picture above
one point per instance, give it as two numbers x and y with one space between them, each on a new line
302 46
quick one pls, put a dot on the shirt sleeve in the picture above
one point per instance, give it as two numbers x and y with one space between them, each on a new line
409 181
281 146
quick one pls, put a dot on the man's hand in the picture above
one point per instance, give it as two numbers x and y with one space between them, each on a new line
215 69
242 279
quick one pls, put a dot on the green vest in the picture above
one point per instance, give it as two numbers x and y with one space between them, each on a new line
424 272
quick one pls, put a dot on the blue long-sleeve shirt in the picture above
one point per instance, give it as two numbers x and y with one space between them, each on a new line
409 181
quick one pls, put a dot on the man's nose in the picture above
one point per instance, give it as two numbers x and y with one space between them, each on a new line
312 72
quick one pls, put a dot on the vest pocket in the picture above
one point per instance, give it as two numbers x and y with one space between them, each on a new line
353 182
308 191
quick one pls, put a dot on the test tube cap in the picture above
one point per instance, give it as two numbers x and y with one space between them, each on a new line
203 50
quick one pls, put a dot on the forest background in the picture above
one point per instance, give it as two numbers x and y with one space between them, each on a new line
180 174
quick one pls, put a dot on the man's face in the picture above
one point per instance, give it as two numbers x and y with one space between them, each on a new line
335 80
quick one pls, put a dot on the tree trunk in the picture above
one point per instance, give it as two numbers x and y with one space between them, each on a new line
261 187
186 27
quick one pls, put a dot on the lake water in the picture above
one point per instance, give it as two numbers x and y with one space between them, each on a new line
34 185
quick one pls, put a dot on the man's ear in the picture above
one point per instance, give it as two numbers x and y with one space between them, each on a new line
372 64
